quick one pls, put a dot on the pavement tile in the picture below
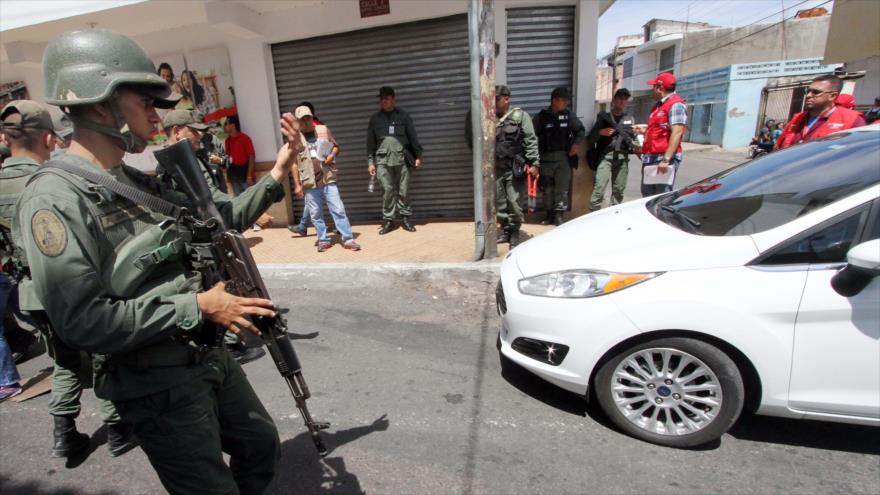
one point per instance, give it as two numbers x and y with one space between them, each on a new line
433 242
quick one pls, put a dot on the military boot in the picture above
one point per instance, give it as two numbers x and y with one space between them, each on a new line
387 227
549 218
408 226
68 441
120 438
514 238
559 218
503 236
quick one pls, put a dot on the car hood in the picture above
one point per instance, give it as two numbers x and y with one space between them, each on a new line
628 238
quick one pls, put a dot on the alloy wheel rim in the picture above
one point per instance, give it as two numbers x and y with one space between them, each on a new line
666 391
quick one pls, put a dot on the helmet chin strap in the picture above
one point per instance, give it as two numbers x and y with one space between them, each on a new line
124 138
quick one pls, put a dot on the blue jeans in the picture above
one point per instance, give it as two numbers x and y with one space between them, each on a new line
652 189
306 219
314 200
8 372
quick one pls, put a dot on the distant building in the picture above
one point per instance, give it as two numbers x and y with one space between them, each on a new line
609 69
685 48
854 40
727 106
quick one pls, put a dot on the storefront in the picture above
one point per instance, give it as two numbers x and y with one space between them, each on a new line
267 56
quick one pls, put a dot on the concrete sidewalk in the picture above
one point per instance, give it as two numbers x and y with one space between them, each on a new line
433 242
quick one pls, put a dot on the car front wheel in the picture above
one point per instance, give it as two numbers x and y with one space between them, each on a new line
677 392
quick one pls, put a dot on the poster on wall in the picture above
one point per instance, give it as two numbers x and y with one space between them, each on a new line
204 79
12 91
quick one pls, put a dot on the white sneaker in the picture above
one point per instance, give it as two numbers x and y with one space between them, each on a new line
257 228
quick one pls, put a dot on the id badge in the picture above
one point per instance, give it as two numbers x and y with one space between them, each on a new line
391 129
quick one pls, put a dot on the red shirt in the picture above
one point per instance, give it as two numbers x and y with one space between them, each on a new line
835 119
240 148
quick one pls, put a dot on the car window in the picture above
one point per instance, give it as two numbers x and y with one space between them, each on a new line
828 245
775 189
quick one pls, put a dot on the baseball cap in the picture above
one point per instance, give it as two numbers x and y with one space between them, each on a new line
502 90
846 101
665 79
386 91
301 111
62 125
186 118
33 115
561 92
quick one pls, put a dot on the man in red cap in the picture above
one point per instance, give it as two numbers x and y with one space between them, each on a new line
661 153
846 101
821 115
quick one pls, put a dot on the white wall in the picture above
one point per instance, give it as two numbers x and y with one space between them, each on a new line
255 95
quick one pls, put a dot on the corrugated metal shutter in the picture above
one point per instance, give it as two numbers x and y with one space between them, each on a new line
540 54
427 64
777 105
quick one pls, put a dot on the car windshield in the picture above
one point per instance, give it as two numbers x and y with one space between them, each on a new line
774 189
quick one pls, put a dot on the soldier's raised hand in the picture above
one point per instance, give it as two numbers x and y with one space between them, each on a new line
287 154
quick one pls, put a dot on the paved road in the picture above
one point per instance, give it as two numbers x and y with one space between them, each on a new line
405 367
696 165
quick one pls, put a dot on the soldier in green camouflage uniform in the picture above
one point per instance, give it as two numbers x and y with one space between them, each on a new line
116 278
560 133
30 128
516 153
391 136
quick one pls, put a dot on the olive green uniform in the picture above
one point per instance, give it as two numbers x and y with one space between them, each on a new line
388 135
113 280
73 369
515 126
557 132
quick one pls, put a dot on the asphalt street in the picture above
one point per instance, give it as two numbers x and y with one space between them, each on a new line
406 369
403 363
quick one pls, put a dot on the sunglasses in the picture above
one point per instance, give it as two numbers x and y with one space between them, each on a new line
816 92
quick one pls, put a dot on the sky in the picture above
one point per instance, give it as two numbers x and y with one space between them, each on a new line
628 16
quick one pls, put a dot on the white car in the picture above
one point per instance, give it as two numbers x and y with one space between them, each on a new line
756 288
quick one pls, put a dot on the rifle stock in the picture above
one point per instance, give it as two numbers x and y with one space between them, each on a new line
238 270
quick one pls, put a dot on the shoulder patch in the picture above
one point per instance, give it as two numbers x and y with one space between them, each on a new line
49 233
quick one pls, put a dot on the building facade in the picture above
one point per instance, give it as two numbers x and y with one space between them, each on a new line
336 55
686 48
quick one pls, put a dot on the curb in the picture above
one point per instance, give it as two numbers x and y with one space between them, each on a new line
377 274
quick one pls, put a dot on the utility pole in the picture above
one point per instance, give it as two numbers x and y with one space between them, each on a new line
481 34
782 29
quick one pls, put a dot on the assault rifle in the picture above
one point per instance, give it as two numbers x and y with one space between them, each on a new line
224 256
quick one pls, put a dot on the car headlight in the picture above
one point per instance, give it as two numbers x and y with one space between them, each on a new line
580 283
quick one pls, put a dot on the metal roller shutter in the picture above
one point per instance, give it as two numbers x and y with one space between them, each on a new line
427 64
777 106
540 54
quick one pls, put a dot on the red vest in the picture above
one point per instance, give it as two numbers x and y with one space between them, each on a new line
657 135
836 119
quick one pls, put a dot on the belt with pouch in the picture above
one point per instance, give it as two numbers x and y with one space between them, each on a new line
161 356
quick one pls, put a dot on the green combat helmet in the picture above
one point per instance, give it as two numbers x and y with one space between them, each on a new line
86 67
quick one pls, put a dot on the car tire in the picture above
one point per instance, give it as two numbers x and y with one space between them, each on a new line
677 365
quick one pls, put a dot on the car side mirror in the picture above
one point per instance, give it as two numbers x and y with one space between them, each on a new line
863 264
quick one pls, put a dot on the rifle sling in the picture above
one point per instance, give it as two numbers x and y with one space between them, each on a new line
130 193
